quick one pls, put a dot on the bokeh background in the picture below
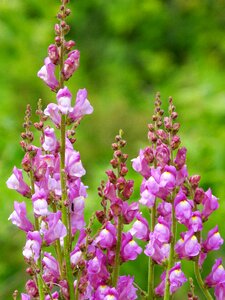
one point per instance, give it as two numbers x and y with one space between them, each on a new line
130 49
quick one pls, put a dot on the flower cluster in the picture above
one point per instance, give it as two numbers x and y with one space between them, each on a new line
67 259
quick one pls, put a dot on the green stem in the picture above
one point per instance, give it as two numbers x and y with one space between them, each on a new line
201 283
198 274
171 256
77 285
151 263
117 257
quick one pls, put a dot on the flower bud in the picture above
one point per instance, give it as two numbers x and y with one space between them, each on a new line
53 54
194 181
199 195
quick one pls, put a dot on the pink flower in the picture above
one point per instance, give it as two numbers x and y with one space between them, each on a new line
64 100
213 241
77 214
47 74
183 207
107 236
220 291
71 64
19 217
82 106
31 288
141 163
17 183
195 222
33 246
40 204
188 246
50 142
158 251
53 228
176 279
52 111
210 203
217 274
140 228
51 265
129 248
74 167
125 288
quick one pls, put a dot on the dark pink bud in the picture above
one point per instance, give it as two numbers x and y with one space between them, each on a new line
120 183
167 123
53 54
111 175
162 135
194 181
31 288
152 137
69 45
57 29
180 158
175 142
128 189
199 195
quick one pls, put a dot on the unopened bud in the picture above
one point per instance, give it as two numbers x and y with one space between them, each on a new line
194 181
199 195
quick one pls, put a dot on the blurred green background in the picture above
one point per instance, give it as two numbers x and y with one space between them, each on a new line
130 49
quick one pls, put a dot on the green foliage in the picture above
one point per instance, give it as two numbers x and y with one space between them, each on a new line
129 50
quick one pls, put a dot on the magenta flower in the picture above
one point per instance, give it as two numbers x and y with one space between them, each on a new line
125 288
213 241
107 236
147 197
31 288
19 217
64 100
74 167
50 142
52 228
195 222
220 291
140 228
97 271
183 207
17 183
77 214
51 265
52 111
105 292
162 155
71 64
158 251
47 74
141 163
129 248
217 274
176 279
129 211
32 247
210 203
40 204
25 297
82 106
164 209
162 231
188 246
54 295
75 256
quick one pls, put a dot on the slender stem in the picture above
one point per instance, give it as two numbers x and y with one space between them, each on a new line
118 246
198 274
64 206
171 256
151 263
201 282
77 286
